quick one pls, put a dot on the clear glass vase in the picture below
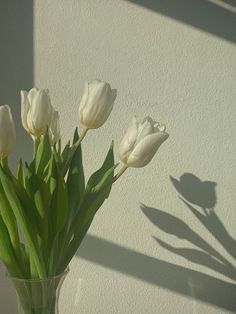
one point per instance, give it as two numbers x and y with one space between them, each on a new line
38 296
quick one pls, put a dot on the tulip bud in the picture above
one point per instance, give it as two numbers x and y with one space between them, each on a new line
54 129
7 131
36 111
96 104
141 141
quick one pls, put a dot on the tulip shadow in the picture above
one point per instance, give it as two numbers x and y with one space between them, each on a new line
178 279
202 14
203 194
205 254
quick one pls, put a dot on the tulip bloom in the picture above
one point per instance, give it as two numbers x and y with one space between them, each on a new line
36 111
141 141
7 131
96 104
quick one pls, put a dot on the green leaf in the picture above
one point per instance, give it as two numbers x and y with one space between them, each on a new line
65 153
33 269
93 201
58 213
25 260
6 251
57 157
10 221
21 191
20 174
28 205
53 257
73 247
40 193
75 180
26 225
68 153
59 198
43 154
75 185
59 147
97 190
62 203
52 183
96 181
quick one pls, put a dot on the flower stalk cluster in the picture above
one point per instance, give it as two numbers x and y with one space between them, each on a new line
48 199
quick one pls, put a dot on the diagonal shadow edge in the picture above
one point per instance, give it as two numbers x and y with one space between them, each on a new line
203 15
166 275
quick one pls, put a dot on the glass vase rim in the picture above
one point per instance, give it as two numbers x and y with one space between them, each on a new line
64 273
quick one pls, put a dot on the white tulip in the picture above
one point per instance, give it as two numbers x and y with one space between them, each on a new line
141 141
7 131
36 111
96 104
54 129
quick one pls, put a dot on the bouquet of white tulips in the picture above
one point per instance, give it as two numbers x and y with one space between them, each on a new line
48 202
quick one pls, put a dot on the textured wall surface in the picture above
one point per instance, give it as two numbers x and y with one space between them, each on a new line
157 245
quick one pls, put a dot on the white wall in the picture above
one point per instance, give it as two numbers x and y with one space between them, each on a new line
184 75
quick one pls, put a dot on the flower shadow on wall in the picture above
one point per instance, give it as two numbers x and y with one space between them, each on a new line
201 194
175 278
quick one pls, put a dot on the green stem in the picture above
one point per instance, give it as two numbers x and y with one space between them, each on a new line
59 146
84 132
120 172
36 144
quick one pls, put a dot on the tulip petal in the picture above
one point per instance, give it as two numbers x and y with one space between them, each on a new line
162 128
103 111
3 123
40 113
83 101
98 91
144 129
32 94
146 149
128 140
101 116
25 106
97 106
11 132
7 131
